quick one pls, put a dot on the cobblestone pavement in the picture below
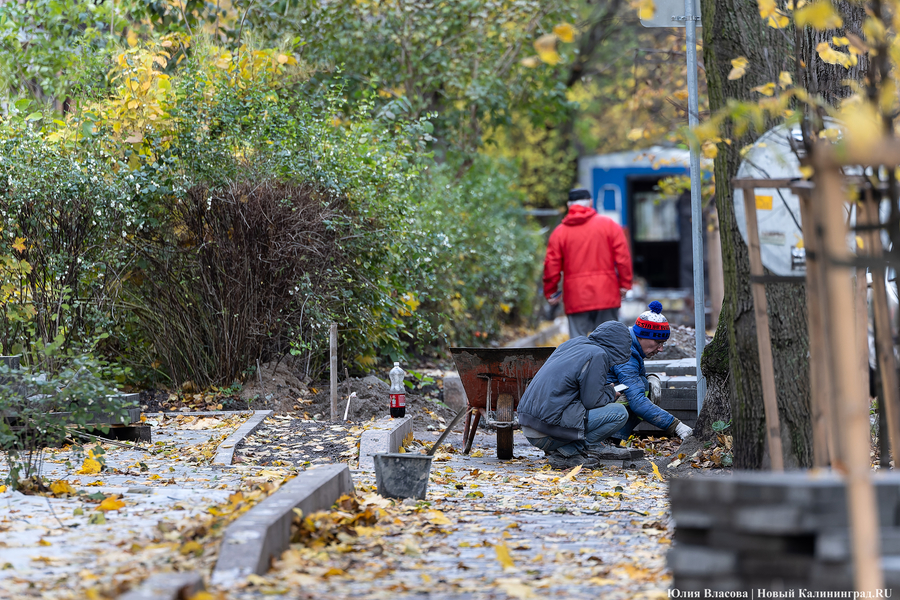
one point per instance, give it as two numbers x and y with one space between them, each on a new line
161 498
488 529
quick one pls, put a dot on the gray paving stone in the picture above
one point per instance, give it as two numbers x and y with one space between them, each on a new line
167 586
695 561
454 393
264 532
384 437
225 452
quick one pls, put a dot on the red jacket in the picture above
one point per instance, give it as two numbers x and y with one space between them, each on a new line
592 252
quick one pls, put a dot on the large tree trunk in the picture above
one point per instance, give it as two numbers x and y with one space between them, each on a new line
733 28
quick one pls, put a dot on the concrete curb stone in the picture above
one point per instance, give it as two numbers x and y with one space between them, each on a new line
385 437
167 586
225 451
264 531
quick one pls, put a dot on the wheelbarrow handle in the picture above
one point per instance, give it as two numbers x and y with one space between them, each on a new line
452 424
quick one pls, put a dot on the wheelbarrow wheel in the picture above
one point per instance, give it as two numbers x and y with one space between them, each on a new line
505 435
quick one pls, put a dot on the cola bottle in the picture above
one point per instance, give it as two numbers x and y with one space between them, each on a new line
398 396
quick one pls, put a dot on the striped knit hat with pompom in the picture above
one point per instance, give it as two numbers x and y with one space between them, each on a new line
652 324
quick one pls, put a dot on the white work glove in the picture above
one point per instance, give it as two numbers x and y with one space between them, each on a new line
683 431
655 388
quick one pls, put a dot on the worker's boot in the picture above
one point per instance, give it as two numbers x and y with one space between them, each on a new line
558 460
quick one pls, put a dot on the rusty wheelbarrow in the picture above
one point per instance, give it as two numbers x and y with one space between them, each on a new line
494 380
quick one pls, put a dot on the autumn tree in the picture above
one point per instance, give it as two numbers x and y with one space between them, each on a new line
757 51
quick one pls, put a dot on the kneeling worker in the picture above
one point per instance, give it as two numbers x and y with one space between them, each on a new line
570 405
648 336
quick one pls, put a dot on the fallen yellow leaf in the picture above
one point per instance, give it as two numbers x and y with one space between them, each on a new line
111 503
89 467
656 471
192 547
61 488
571 474
503 556
436 517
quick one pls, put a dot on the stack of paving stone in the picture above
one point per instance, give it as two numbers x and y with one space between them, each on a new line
773 531
679 391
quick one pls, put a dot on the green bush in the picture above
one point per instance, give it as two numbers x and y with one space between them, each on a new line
28 399
63 217
245 217
483 251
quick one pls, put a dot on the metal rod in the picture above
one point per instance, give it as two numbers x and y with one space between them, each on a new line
690 30
334 367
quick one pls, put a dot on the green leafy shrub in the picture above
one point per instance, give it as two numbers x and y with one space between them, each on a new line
484 252
30 403
63 216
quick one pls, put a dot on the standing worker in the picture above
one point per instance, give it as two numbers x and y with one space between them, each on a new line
591 253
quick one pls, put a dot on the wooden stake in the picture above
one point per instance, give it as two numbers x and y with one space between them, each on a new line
334 371
853 418
819 390
884 349
763 338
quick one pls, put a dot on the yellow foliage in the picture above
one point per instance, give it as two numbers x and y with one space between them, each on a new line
785 79
551 57
819 15
738 67
773 17
833 57
565 32
646 9
874 30
863 123
766 89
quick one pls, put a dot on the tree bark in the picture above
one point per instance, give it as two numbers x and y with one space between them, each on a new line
733 28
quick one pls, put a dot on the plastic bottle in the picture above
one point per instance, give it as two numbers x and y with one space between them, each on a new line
398 395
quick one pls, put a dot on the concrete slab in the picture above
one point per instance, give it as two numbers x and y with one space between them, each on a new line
386 436
682 381
264 532
656 366
225 452
167 586
454 393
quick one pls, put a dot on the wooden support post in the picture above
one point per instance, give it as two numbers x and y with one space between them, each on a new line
819 391
853 418
334 371
884 348
764 341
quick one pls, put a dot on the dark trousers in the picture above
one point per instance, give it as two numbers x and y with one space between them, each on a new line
584 323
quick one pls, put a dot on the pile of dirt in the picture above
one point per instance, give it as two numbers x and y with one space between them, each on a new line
681 344
285 394
372 401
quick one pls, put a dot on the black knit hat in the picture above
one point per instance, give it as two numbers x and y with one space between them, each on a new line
579 194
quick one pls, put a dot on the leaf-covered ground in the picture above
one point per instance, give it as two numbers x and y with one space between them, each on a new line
487 529
114 516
